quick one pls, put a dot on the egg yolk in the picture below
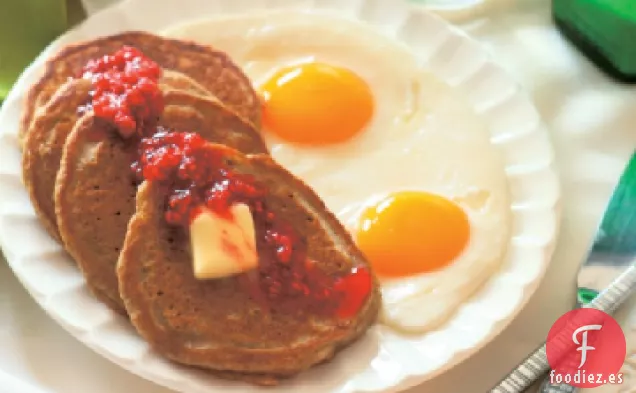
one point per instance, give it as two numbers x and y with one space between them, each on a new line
316 104
412 232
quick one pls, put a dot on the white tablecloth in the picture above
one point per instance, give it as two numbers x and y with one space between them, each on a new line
590 119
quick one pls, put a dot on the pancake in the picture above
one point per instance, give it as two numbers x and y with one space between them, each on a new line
45 140
95 190
213 69
216 325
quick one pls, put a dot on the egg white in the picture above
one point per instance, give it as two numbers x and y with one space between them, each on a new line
423 136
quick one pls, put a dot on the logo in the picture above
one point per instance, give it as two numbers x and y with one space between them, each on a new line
586 348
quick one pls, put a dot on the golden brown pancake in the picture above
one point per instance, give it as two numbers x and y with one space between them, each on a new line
213 69
95 192
45 140
216 325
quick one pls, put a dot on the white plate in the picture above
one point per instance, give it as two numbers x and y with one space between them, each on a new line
381 361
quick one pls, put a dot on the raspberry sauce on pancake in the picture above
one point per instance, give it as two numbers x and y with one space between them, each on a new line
125 90
194 174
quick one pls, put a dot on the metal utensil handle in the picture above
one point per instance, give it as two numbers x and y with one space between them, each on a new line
531 369
608 300
535 365
613 296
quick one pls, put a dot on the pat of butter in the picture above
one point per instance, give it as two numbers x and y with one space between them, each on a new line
223 247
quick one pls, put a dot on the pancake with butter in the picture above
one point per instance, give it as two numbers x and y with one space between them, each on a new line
213 69
95 189
220 324
45 140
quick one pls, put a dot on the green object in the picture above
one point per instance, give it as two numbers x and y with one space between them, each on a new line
614 247
604 30
617 231
586 295
26 27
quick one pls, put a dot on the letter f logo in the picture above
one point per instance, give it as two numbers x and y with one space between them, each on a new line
583 344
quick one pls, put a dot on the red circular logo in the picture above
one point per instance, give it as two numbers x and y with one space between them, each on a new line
586 348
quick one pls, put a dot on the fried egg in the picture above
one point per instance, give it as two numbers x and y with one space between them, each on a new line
397 155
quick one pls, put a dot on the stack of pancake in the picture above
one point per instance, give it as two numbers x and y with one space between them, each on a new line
78 176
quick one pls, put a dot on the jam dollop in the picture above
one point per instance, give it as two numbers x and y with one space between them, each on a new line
125 91
194 174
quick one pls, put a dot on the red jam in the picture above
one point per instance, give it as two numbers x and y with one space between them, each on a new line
195 175
125 90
